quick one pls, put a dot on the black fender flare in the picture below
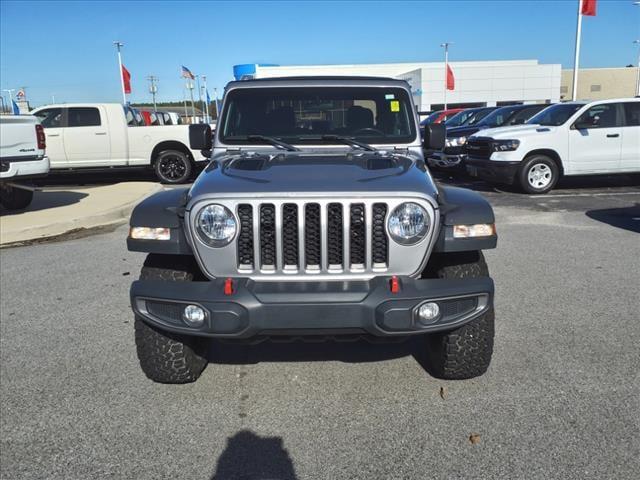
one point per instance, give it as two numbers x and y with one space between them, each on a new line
460 206
162 209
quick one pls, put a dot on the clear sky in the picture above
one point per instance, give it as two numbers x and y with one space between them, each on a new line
65 48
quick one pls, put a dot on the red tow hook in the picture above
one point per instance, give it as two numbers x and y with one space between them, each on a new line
394 284
228 286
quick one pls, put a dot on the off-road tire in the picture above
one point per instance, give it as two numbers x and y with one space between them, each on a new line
540 161
464 352
167 357
14 198
173 167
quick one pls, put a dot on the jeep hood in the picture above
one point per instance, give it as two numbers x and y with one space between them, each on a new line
297 172
514 132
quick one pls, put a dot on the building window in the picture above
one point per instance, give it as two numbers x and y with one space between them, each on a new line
564 89
596 88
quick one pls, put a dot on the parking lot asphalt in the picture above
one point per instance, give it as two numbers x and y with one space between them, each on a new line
560 400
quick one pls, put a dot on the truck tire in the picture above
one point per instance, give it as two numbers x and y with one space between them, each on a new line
538 174
466 351
173 167
15 198
167 357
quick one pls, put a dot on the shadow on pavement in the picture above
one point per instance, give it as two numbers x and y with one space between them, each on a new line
250 457
46 200
627 218
96 178
359 351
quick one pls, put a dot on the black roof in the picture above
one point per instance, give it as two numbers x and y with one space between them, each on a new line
318 78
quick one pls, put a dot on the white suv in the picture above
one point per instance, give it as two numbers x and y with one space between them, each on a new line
574 138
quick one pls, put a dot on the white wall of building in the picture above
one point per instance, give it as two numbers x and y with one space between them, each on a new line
488 82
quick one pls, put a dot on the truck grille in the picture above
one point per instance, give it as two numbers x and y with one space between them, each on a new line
479 147
302 237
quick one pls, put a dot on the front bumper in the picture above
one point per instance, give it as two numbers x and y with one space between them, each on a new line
311 308
494 171
444 160
24 169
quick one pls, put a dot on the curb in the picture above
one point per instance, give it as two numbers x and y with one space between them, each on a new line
110 218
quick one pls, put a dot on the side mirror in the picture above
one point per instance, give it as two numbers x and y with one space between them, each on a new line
582 125
200 137
434 136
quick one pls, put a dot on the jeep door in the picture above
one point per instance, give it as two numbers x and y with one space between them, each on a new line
595 140
53 121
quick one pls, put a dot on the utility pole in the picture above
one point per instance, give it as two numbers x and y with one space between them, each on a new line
153 89
119 45
446 69
576 59
206 97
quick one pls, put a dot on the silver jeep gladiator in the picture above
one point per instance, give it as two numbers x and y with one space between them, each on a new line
316 217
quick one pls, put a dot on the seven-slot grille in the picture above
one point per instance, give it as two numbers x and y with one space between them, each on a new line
479 147
312 237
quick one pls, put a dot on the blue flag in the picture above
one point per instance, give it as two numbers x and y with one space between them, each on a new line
16 110
208 97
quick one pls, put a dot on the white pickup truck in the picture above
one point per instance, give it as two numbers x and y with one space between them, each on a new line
107 136
574 138
22 158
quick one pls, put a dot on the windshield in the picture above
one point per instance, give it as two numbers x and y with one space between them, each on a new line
498 117
304 115
459 118
431 118
556 114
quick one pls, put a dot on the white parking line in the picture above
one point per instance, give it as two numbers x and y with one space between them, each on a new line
583 195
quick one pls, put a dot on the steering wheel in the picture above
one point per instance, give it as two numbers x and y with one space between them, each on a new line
368 130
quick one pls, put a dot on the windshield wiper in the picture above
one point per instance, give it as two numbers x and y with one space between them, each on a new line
270 140
346 140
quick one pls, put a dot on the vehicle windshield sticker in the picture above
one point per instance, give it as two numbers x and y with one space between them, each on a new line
395 106
389 96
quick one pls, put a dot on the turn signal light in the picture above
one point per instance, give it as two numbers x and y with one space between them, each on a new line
474 231
150 233
394 284
228 286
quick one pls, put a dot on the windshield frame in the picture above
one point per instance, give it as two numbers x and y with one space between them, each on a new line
402 94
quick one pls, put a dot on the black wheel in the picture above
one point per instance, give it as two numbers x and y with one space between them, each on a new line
464 352
173 166
15 198
538 174
166 357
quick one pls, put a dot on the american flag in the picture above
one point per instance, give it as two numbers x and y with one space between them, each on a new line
186 73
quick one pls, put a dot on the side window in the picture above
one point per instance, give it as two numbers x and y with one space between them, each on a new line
600 116
632 114
50 117
83 117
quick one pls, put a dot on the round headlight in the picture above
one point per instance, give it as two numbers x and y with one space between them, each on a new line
408 223
216 225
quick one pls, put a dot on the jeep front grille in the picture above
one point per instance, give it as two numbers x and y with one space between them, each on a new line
328 238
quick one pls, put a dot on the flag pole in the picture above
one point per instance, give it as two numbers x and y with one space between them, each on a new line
576 61
206 93
124 95
446 69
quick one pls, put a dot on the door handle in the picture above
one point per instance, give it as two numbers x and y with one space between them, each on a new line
613 135
101 133
53 135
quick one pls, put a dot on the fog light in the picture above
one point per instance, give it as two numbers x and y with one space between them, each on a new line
194 315
428 312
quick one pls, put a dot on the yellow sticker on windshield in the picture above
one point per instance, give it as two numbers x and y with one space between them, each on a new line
395 105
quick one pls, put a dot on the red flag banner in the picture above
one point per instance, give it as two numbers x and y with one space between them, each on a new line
588 8
451 80
126 79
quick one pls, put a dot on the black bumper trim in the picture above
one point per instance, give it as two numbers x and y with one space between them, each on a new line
501 172
260 308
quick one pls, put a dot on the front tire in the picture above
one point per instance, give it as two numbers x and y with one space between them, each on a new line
15 198
166 357
466 351
173 167
539 174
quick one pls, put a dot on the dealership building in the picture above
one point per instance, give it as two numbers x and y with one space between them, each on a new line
487 83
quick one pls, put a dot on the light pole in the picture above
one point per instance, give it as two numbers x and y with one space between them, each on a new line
199 92
153 89
193 107
446 69
206 97
118 46
10 92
